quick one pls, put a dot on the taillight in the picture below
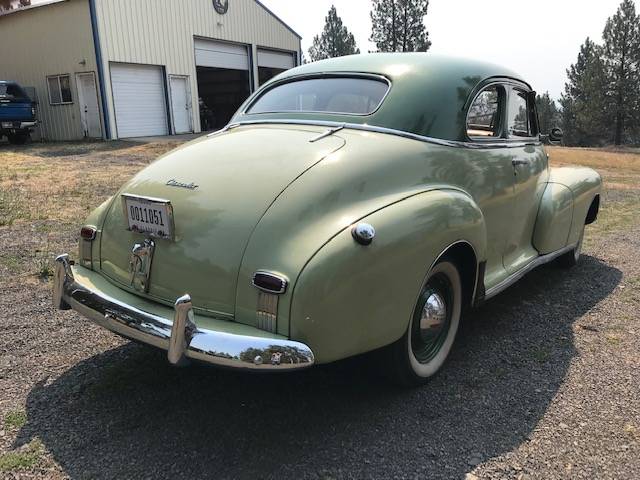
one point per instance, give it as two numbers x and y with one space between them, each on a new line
88 233
270 282
271 285
87 236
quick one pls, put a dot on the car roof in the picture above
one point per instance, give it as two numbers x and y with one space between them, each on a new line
428 92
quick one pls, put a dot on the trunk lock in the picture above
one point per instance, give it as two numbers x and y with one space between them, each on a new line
140 264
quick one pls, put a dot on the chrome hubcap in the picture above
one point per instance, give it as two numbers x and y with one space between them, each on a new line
432 319
434 316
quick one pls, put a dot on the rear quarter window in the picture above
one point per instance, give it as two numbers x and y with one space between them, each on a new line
344 95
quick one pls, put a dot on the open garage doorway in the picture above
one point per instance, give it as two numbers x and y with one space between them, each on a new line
221 92
224 81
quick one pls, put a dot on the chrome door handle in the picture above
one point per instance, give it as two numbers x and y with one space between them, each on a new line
515 163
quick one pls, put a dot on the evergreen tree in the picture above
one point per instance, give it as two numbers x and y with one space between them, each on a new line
334 41
585 100
398 25
622 63
548 115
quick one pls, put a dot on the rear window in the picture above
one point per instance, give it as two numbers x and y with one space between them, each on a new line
11 91
351 96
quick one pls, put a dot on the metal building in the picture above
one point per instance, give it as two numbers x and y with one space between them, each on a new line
133 68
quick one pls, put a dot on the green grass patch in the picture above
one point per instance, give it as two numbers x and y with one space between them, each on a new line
23 459
15 419
613 217
10 206
13 263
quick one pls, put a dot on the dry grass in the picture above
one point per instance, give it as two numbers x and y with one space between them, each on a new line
620 170
615 161
46 191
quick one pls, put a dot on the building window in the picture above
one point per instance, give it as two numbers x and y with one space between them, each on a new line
59 89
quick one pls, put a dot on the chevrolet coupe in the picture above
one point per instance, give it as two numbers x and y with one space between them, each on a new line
351 205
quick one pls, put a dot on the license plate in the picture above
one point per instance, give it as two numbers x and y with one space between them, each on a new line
151 216
7 124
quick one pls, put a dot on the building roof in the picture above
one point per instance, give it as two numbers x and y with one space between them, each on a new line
38 4
278 19
43 3
428 92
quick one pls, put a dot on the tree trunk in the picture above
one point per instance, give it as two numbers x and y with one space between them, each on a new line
394 31
405 32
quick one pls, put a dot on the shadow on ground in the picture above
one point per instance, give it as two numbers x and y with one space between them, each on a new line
125 414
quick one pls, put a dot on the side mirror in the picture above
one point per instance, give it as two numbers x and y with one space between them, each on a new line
556 134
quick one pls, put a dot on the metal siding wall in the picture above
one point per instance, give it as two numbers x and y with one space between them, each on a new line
49 40
161 32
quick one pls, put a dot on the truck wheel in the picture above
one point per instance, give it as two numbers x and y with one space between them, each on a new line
18 138
423 349
571 259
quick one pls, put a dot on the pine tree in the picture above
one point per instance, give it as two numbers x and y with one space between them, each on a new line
585 100
622 62
548 115
334 41
398 25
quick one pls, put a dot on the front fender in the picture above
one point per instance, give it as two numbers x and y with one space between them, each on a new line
351 299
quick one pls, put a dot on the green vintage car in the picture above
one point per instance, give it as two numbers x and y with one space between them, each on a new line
351 205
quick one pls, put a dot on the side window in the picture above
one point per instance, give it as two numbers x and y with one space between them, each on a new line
483 119
59 89
520 115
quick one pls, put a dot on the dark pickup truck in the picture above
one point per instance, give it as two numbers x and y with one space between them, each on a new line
17 113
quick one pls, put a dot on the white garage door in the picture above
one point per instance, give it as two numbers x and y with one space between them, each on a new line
210 53
273 59
139 99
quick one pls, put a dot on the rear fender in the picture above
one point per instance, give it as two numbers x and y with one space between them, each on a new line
351 299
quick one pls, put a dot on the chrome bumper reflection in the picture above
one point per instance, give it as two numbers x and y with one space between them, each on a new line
180 336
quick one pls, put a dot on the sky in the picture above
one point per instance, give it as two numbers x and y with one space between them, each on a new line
539 39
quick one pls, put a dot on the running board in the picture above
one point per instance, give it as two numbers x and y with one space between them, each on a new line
513 278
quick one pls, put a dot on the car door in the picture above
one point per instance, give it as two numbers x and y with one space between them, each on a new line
530 171
488 173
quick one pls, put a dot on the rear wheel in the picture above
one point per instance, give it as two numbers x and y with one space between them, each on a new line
423 349
18 138
571 258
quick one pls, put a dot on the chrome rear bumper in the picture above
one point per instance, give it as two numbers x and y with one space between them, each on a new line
180 336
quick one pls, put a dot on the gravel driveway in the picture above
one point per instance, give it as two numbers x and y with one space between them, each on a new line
542 383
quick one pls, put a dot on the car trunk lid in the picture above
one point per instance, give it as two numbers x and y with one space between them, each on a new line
238 175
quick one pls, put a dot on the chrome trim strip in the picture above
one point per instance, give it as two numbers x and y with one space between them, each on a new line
389 131
514 277
180 337
267 311
326 134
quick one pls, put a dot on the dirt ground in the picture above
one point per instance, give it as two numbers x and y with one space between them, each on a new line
543 382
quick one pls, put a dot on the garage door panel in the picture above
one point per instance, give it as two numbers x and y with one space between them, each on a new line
273 59
139 100
210 53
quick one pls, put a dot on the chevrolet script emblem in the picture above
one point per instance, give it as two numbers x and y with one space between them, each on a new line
174 183
140 264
